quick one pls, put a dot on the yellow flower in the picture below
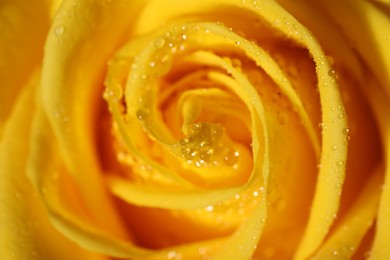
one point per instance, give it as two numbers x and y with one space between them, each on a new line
163 129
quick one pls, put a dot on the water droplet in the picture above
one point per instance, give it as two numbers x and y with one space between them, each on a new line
152 64
340 163
165 58
231 157
115 91
142 114
194 153
59 30
209 208
159 43
203 144
334 147
184 37
335 252
205 155
184 141
186 151
255 193
345 131
199 163
331 72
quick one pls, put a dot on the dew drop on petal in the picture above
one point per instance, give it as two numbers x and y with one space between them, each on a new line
184 141
209 208
142 114
159 43
231 157
59 30
331 72
340 163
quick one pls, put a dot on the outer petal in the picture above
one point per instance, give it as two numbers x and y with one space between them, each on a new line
378 97
357 18
26 232
70 82
344 241
23 27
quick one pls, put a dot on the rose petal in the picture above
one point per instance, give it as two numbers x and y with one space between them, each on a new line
24 26
380 101
331 175
244 89
364 18
374 24
332 40
69 96
158 131
350 231
26 231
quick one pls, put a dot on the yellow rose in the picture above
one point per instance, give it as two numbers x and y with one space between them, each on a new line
234 129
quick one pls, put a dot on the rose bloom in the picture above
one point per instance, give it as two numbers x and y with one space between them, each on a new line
208 129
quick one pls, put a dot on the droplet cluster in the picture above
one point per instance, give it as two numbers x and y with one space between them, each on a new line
206 145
